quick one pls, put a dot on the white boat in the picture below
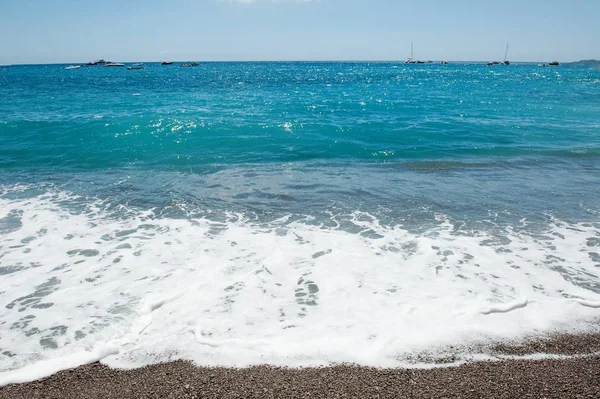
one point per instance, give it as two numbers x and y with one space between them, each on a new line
97 62
136 66
114 64
73 67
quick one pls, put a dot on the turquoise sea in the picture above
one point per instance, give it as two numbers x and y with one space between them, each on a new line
293 213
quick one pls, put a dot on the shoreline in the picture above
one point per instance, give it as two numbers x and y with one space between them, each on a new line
569 367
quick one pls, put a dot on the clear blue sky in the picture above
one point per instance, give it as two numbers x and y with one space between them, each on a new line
49 31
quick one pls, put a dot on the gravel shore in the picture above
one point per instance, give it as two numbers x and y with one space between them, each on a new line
577 377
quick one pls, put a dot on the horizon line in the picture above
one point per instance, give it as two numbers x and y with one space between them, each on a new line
306 61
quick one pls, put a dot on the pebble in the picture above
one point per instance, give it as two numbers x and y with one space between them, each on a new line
577 377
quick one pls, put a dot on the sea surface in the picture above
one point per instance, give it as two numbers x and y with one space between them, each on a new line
292 213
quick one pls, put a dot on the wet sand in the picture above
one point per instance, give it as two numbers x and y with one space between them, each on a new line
576 377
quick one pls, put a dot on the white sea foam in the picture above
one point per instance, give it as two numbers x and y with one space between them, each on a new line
132 288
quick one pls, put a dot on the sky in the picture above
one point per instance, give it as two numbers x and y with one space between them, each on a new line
69 31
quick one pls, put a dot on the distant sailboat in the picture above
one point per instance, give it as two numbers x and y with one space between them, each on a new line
506 61
412 53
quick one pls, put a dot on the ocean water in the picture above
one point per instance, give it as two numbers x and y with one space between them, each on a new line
292 213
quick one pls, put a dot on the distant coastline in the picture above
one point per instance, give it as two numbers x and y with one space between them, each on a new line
594 64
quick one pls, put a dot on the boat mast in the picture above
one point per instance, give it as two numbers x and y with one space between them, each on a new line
412 50
506 52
